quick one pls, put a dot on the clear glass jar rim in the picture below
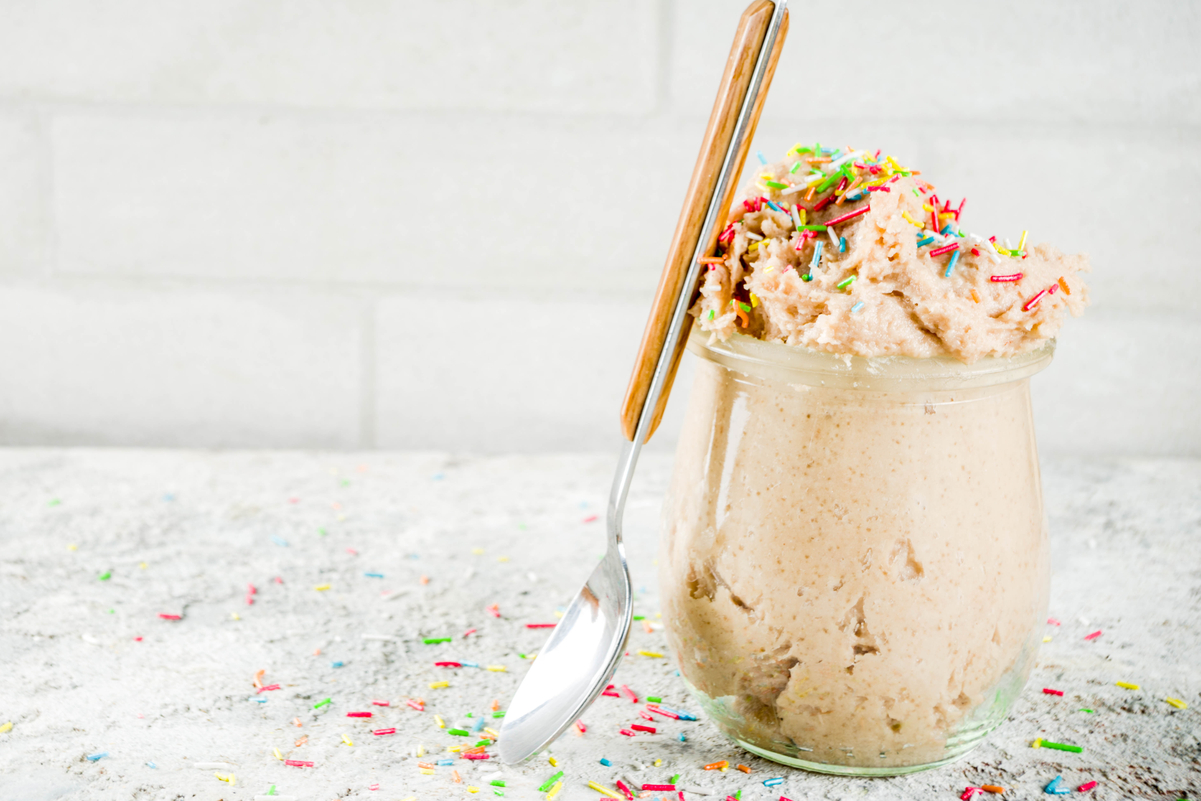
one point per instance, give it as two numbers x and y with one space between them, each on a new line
799 364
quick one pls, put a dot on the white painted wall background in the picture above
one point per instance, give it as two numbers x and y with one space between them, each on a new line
385 224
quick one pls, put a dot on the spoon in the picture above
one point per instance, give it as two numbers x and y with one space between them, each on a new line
583 651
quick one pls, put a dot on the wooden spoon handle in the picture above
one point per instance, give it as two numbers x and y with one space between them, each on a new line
748 42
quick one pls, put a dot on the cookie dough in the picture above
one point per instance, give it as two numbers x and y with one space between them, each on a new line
849 252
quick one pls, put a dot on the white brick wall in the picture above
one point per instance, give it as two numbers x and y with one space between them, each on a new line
393 224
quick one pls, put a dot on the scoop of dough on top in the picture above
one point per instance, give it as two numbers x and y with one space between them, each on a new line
847 251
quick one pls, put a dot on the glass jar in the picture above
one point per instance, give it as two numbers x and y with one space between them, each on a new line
854 569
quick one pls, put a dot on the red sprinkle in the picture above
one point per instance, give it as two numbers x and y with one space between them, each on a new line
477 756
975 252
380 732
493 610
579 724
662 712
625 790
654 787
1093 636
942 250
850 215
540 625
166 616
468 633
1084 788
1049 691
934 212
137 639
642 713
969 792
1005 279
826 201
358 714
1053 622
628 693
590 518
628 733
611 694
879 189
382 703
265 689
640 727
296 763
1030 304
448 664
420 707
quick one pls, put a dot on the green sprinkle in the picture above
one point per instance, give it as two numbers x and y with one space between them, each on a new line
320 704
829 182
674 779
106 575
499 714
738 795
435 640
711 314
322 532
498 782
1089 711
499 792
1041 743
807 277
775 184
459 732
640 617
468 714
796 167
744 307
112 611
549 783
846 282
654 699
345 482
812 228
523 656
482 742
272 790
54 502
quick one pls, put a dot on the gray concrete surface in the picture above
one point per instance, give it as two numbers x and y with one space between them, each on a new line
185 532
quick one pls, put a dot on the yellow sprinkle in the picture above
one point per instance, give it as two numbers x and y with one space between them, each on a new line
420 750
753 246
605 791
234 615
1127 685
658 762
143 565
321 587
441 723
497 668
927 207
1047 638
554 791
473 789
502 558
6 727
1176 702
493 733
553 762
652 654
438 685
454 749
770 267
1038 743
478 551
227 777
910 220
754 300
72 547
278 755
346 740
558 613
427 771
1022 241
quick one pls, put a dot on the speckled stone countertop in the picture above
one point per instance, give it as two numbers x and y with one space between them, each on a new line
95 545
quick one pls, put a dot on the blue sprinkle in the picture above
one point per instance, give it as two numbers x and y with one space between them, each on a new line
605 762
438 476
951 264
280 541
925 241
374 575
168 497
857 307
445 762
258 700
945 229
817 255
1053 787
773 782
152 765
842 244
470 664
762 160
337 664
413 555
683 737
97 757
777 208
479 725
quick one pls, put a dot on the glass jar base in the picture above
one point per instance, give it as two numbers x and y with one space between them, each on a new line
846 770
